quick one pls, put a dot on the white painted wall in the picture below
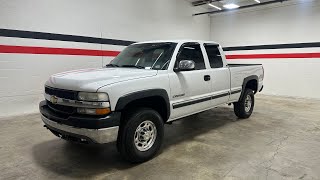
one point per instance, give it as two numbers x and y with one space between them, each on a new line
22 75
296 21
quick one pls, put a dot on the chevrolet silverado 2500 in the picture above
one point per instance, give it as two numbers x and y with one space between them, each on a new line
147 85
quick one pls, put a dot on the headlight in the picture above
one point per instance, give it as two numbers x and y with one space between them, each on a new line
85 96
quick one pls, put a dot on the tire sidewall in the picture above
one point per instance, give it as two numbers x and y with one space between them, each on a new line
131 126
251 94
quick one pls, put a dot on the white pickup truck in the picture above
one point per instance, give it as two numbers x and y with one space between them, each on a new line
147 85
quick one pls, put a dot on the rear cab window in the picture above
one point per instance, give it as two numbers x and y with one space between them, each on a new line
214 55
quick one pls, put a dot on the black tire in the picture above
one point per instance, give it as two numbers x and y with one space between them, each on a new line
240 106
126 138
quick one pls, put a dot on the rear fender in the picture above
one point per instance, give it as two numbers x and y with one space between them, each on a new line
245 81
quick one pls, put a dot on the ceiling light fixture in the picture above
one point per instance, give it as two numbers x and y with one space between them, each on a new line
257 1
214 6
231 6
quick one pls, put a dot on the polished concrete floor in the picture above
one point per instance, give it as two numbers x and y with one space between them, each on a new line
281 140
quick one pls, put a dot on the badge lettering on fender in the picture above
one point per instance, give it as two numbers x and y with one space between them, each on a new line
178 95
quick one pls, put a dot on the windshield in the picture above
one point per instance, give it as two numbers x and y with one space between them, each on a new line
145 56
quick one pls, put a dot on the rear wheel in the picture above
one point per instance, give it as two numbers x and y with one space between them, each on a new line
244 107
141 135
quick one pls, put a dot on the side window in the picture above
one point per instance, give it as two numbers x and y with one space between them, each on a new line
192 52
214 56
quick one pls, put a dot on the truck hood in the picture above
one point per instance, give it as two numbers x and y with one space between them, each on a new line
92 79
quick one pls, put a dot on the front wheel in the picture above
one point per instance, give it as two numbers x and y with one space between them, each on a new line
244 107
141 135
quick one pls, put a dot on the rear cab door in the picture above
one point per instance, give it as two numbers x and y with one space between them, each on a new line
219 72
190 90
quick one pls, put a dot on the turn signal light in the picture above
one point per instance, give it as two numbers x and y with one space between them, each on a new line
100 111
103 111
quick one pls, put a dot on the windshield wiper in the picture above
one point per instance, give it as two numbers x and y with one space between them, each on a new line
139 67
112 65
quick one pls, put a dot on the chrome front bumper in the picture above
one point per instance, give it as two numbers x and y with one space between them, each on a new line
99 136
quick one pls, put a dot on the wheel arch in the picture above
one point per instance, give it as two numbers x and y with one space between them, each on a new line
146 97
250 82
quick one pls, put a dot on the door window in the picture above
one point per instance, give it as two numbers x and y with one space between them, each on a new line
192 52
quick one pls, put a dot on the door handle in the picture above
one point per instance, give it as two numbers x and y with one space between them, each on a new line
206 77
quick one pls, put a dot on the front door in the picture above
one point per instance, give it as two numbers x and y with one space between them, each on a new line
190 90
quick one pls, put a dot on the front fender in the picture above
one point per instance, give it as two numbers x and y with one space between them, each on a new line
126 99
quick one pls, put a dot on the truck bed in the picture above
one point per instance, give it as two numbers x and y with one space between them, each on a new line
239 65
238 72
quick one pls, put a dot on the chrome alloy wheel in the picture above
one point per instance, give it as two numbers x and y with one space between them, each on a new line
248 103
145 135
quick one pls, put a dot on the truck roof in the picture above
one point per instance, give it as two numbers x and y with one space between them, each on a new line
178 41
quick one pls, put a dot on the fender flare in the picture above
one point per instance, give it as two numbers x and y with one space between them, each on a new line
245 81
126 99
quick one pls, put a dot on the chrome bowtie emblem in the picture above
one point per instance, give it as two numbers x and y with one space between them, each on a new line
54 99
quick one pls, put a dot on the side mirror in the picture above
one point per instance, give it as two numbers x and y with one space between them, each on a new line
185 65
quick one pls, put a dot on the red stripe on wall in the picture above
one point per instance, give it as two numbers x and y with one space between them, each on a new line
273 56
90 52
58 51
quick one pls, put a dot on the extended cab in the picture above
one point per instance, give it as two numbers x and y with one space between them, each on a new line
147 85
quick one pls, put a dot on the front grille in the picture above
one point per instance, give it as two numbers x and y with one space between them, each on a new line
61 108
61 93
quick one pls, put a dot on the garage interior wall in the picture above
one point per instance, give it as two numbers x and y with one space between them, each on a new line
22 75
291 22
